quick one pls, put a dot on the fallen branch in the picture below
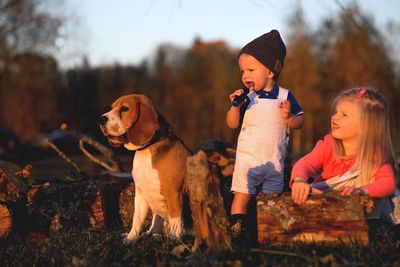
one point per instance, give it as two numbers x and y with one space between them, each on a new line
113 163
278 252
62 154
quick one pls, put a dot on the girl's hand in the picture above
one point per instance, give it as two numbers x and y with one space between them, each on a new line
301 189
348 190
285 109
238 92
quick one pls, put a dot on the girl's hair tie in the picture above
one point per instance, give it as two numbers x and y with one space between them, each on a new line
361 93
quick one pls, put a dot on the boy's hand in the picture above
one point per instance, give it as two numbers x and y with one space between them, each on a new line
285 109
238 92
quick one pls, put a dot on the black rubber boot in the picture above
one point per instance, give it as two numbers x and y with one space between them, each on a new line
238 230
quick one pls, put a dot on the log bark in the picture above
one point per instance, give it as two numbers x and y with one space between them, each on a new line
13 188
104 200
53 206
328 218
206 203
126 205
222 156
5 220
13 183
94 202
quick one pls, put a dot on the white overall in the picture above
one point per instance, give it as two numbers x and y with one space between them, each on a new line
262 145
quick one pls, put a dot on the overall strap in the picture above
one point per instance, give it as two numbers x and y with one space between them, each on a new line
331 183
283 94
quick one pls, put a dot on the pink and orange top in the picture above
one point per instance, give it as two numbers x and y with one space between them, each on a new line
323 157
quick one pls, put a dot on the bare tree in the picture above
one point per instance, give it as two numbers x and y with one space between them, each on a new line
301 75
28 77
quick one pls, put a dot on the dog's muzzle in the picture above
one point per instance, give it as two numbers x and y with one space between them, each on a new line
112 139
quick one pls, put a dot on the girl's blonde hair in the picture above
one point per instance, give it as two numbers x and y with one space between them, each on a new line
375 145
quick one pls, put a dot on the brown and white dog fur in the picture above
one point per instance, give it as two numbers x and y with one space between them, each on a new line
158 166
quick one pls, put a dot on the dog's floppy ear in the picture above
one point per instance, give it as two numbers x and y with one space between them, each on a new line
144 124
128 109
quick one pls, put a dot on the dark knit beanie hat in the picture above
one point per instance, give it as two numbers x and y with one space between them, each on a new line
269 49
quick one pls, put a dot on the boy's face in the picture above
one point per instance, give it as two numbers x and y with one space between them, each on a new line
255 75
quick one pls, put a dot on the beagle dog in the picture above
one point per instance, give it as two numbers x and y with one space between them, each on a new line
159 163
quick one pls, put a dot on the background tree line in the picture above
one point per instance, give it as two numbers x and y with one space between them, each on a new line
190 87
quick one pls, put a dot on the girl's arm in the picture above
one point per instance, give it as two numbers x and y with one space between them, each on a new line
384 184
310 163
303 169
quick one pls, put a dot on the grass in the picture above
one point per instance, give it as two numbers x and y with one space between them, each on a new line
83 247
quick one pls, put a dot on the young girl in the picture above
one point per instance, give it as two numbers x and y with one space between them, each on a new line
356 156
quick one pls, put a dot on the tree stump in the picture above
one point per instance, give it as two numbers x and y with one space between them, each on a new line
327 218
206 203
221 155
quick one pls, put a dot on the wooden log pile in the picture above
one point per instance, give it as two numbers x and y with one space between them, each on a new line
53 206
104 200
107 200
328 218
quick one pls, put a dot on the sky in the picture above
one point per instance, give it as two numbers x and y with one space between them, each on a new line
129 31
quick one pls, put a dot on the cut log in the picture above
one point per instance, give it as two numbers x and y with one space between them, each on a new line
206 203
327 218
52 206
13 188
96 219
12 181
92 201
5 220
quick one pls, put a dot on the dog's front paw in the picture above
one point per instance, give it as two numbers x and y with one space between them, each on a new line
157 236
129 238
